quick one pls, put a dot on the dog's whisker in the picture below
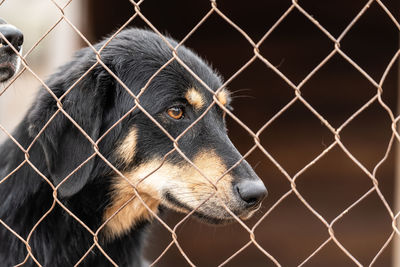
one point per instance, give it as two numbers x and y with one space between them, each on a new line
241 90
243 96
256 165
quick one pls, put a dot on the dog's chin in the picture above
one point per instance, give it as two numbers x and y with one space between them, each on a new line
210 219
227 219
210 214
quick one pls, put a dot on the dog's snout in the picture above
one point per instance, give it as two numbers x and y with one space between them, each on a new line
13 35
252 192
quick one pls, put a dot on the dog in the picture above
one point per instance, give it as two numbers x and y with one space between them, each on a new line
9 60
138 148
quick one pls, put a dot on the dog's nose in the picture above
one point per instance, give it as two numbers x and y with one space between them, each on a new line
252 192
13 35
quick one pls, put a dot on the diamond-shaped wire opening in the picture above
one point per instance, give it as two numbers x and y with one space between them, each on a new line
330 15
192 231
288 229
327 93
256 24
299 141
330 254
298 56
373 39
361 138
336 183
225 59
196 11
372 237
257 86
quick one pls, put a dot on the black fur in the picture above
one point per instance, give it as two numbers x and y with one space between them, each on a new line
96 103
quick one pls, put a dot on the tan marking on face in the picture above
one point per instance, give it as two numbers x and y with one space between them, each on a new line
223 96
212 167
194 98
181 180
133 212
127 148
191 188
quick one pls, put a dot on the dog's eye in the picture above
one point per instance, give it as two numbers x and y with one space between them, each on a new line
175 113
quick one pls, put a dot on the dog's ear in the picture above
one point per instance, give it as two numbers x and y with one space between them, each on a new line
65 147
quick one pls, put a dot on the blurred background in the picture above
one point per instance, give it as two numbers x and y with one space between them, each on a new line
290 232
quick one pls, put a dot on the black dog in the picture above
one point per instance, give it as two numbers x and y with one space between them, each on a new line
9 60
136 147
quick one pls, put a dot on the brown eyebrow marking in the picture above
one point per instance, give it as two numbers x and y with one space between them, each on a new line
194 98
223 96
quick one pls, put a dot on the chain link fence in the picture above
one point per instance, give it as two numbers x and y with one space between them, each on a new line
297 98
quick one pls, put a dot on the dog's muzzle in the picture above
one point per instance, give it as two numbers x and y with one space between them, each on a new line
9 60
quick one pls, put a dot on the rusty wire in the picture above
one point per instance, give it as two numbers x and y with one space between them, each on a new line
297 97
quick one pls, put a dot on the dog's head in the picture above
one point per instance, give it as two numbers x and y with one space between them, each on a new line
9 60
137 146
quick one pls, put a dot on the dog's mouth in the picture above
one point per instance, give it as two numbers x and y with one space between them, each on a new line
9 62
210 212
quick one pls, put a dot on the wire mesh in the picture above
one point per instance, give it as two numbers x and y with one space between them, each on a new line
255 135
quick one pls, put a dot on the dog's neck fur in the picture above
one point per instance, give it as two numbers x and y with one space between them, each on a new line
25 197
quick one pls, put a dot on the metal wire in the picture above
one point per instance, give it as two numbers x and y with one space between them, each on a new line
297 98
